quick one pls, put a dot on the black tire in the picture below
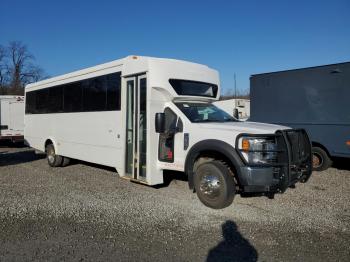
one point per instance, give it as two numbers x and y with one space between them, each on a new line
52 159
65 161
214 184
320 159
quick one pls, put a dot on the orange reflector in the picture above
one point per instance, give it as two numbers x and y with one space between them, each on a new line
348 142
245 144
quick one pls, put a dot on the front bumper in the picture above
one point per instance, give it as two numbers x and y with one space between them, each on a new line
293 164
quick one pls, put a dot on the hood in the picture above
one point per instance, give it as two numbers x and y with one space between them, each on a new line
244 127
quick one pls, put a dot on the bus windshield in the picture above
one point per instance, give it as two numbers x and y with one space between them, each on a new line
204 112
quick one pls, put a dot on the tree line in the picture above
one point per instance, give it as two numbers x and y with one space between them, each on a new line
240 94
17 68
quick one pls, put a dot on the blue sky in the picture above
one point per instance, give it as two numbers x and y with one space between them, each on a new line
242 37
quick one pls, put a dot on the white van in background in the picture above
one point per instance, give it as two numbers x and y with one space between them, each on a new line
12 118
144 115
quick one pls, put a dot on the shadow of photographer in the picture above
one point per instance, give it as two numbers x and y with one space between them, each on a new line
233 247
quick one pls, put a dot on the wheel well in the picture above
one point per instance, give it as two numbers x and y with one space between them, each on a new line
316 144
206 155
48 142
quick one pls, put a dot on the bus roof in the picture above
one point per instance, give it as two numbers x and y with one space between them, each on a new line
142 62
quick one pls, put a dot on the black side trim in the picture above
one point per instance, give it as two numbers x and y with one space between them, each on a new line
211 145
4 127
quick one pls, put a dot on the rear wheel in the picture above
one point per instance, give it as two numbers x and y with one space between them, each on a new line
52 159
214 184
320 159
65 161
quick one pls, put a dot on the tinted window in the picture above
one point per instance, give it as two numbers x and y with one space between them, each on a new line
30 102
55 103
42 99
113 91
95 94
73 97
193 88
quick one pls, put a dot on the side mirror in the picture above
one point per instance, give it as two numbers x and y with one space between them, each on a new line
235 113
160 122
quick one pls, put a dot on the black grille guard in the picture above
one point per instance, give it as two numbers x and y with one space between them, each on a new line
297 157
294 157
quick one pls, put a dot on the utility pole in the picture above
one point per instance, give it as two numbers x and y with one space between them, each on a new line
234 76
235 110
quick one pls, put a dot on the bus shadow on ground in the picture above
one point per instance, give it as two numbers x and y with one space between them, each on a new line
98 166
10 144
341 163
233 247
169 176
14 158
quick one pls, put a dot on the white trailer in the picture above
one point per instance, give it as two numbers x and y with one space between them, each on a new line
12 118
229 106
144 115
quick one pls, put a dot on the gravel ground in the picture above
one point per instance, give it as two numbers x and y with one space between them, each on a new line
87 213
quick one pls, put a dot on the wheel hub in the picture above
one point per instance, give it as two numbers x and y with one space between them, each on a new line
316 160
50 156
210 186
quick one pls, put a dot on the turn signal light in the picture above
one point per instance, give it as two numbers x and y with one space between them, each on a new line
245 145
348 142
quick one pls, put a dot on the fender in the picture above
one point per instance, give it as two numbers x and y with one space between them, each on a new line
53 142
211 145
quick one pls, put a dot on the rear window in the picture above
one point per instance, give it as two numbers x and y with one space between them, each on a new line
193 88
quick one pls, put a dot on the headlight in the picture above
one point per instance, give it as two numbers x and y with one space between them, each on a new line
258 150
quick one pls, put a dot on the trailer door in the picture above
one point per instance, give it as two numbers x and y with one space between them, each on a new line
5 123
16 110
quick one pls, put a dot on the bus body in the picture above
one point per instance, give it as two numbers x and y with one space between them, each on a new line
144 115
12 118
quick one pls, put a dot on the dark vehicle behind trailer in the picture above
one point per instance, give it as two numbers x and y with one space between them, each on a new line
316 99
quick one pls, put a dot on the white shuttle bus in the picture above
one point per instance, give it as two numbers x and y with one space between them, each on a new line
144 115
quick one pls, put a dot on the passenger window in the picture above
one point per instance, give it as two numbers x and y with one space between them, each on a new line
30 102
42 97
113 91
55 103
94 94
73 96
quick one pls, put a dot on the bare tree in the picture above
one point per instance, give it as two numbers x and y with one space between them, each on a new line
3 69
21 69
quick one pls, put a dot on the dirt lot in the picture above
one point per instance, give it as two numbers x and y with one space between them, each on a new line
87 213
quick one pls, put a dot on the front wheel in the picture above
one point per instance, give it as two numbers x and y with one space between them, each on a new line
214 184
